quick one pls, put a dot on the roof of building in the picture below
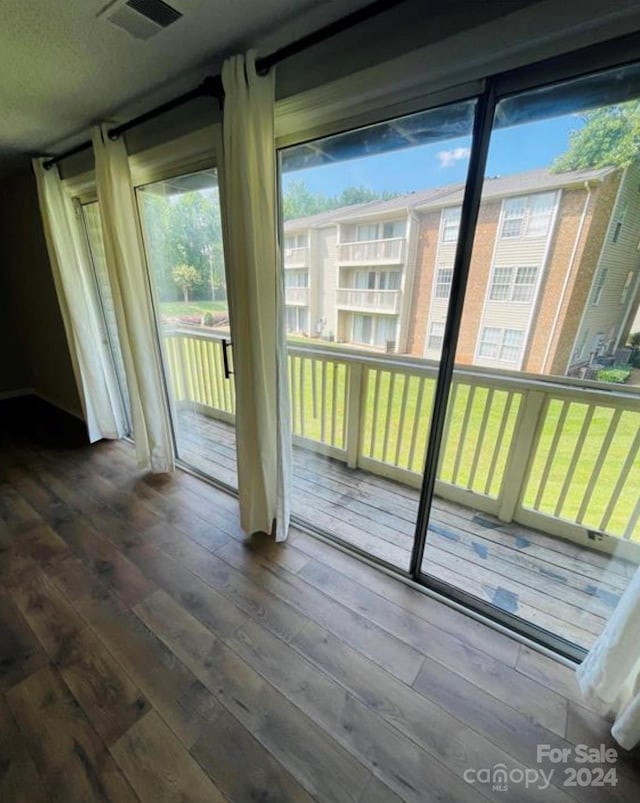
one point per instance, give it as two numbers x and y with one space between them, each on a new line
451 195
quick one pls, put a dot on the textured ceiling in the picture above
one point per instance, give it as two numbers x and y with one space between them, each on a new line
61 68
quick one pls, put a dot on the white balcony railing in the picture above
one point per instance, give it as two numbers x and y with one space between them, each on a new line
296 257
555 456
372 252
368 300
296 296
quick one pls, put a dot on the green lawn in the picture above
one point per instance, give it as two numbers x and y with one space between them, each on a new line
395 431
480 433
177 308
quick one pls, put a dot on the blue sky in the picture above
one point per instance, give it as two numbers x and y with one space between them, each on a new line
512 150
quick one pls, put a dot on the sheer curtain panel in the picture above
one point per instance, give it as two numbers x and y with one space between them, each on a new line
133 304
84 326
250 220
609 677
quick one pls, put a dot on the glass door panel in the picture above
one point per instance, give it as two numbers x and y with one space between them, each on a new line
536 514
358 210
183 240
93 231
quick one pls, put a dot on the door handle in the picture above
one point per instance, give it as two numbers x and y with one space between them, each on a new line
225 357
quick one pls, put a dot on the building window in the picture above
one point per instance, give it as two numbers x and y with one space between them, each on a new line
436 336
444 277
366 232
450 224
295 241
501 284
524 284
619 222
513 218
393 229
527 216
513 284
377 280
362 329
390 230
374 330
598 287
540 211
624 295
582 344
617 230
296 278
297 319
501 344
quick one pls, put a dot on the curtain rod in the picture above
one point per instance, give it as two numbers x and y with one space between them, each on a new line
211 86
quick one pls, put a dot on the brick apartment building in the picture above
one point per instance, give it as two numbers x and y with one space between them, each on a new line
554 280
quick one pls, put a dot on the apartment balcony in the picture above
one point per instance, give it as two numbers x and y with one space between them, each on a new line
372 252
387 301
296 257
296 296
524 515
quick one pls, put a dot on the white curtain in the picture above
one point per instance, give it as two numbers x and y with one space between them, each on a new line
609 677
86 335
255 285
133 306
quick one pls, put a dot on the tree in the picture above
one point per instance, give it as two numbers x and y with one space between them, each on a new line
186 277
609 137
298 200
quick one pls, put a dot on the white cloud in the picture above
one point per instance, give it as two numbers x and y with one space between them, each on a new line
449 158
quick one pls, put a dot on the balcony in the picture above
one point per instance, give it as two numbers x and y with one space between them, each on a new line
372 252
296 257
387 301
524 515
296 296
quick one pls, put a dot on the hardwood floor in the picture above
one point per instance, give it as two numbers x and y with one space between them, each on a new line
149 651
555 584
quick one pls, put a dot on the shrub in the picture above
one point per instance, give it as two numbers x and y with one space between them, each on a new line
616 375
208 319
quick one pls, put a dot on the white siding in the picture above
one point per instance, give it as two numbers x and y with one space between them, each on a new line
445 256
328 268
530 252
618 258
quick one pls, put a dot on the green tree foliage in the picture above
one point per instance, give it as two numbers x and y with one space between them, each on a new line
298 200
609 137
186 277
185 230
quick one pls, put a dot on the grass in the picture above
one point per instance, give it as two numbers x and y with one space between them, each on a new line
178 308
480 433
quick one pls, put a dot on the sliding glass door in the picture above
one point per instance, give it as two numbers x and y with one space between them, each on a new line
464 355
536 512
90 214
183 241
370 223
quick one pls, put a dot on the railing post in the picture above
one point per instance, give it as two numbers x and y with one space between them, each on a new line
354 413
520 454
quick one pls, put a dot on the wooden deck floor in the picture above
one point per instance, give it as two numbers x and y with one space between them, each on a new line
150 652
555 584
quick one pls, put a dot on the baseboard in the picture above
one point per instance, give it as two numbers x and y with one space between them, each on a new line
15 394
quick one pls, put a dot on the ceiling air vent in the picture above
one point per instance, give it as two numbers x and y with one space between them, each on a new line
142 19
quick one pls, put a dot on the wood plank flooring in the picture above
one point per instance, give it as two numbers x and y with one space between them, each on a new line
151 652
555 584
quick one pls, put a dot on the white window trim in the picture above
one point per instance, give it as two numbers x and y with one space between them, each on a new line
599 282
526 216
443 225
430 335
512 284
502 344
